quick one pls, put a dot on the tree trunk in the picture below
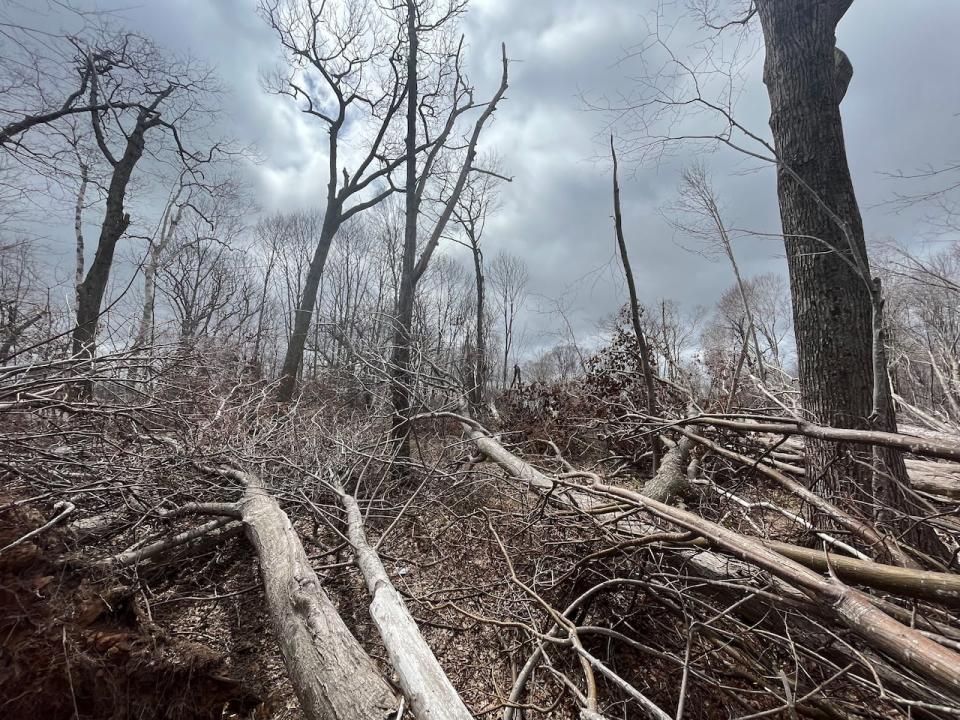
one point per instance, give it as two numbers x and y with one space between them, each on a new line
479 363
400 357
78 229
646 364
147 314
831 299
424 683
333 677
837 305
293 359
115 222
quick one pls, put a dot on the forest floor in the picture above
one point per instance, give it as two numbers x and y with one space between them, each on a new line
189 637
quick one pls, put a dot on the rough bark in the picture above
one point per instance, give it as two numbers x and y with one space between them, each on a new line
671 477
426 686
333 677
831 298
78 228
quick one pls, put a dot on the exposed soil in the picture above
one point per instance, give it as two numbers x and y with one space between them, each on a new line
76 645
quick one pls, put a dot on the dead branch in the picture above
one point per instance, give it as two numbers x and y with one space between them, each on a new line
425 685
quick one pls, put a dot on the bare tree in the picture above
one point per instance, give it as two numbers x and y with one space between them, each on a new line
479 199
452 81
172 215
202 276
344 72
137 93
508 278
23 300
698 214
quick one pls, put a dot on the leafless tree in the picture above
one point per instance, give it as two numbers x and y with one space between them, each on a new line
23 300
698 214
203 278
344 72
646 362
508 279
478 200
139 93
452 83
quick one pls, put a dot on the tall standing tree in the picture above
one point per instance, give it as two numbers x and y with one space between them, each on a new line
345 72
460 163
645 360
837 303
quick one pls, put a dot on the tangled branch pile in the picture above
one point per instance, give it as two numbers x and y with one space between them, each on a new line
495 575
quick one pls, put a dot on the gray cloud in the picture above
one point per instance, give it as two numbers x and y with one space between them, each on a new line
899 114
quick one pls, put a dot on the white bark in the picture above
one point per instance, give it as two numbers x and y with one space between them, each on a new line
333 677
426 686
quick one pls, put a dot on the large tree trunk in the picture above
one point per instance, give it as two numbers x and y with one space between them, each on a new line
333 677
836 315
831 302
303 316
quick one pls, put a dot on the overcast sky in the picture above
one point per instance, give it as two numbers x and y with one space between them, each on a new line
900 113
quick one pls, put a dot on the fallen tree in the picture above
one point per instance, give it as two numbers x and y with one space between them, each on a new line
425 685
852 608
331 674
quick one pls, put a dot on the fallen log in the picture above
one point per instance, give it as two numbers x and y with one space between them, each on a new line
934 478
425 685
851 607
920 584
858 527
926 446
333 677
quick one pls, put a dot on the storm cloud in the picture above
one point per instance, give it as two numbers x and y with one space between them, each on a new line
557 211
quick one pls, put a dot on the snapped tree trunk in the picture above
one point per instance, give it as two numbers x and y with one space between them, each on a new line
148 313
645 360
479 362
